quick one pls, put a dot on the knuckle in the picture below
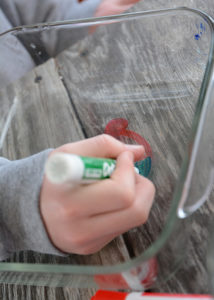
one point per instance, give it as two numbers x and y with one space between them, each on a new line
79 242
149 185
86 251
62 212
73 212
66 213
141 216
127 197
107 141
76 242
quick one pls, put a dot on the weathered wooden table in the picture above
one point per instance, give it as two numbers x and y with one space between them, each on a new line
49 113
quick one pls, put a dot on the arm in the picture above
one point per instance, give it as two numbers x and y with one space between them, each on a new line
22 12
21 227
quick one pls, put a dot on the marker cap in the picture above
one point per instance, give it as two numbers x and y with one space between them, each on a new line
64 167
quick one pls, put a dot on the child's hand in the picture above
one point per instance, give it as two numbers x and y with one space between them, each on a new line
114 7
84 219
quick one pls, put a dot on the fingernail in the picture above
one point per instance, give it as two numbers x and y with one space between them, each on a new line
128 155
134 147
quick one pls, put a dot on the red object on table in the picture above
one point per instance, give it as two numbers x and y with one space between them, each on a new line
111 295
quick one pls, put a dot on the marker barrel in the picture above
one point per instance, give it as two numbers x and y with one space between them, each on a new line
64 167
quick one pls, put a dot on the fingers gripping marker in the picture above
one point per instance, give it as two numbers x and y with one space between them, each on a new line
118 128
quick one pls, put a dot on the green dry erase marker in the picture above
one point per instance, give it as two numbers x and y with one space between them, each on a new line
70 168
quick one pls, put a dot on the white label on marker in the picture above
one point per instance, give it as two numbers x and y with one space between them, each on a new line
108 168
93 173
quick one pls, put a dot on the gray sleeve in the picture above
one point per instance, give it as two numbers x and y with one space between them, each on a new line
21 225
15 61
